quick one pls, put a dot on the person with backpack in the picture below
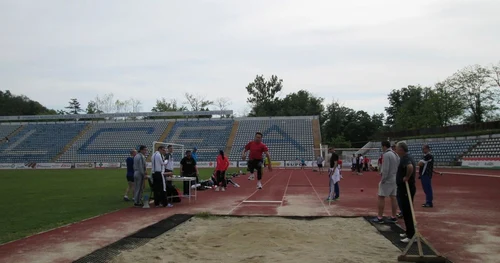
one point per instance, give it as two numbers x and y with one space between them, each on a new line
220 171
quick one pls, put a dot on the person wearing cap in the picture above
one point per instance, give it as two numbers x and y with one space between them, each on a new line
194 154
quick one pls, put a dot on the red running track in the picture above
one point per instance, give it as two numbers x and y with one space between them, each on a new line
463 225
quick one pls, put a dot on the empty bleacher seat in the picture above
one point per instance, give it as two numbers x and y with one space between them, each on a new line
444 152
287 139
39 142
209 136
6 130
489 148
112 141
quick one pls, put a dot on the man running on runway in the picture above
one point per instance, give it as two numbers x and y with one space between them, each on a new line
256 149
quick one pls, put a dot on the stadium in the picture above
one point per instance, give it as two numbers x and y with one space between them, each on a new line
58 172
249 131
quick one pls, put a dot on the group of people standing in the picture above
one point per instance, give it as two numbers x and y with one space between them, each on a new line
360 163
162 163
398 170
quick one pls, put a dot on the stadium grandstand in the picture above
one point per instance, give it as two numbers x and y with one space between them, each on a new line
108 138
111 140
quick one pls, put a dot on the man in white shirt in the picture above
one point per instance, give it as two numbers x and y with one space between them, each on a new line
169 161
159 184
387 186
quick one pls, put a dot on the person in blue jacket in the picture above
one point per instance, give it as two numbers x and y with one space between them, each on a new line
194 154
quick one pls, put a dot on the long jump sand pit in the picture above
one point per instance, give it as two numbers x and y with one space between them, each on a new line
266 239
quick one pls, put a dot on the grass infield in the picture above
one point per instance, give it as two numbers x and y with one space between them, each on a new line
32 201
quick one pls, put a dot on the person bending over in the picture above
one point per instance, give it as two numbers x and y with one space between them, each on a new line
229 181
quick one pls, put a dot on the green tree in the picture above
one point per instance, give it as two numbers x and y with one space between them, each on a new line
495 75
474 85
334 120
339 142
361 127
162 105
407 107
395 98
344 127
74 107
198 103
443 105
410 108
263 96
92 108
13 105
301 103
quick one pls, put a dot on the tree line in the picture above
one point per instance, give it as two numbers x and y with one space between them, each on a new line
471 95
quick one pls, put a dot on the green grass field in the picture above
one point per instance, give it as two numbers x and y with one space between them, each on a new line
32 201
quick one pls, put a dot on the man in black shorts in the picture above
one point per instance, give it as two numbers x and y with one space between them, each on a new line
319 162
255 162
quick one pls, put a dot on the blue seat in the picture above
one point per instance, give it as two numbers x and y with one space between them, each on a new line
287 139
39 142
209 136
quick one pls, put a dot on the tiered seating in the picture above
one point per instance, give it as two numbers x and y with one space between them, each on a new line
38 142
5 130
112 142
287 139
209 136
487 149
444 152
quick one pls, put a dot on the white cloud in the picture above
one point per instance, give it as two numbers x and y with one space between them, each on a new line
354 51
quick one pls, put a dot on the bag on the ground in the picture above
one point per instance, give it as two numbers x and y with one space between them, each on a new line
173 194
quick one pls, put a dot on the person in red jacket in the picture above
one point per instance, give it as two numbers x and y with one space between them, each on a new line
220 171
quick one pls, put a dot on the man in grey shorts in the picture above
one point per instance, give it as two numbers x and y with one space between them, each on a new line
387 186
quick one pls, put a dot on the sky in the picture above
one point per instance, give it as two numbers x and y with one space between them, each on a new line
354 52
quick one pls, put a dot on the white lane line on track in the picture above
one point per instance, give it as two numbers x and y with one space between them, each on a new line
286 188
264 184
317 195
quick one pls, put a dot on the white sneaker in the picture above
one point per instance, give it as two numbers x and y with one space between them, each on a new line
223 189
405 240
251 177
402 235
216 189
259 185
236 185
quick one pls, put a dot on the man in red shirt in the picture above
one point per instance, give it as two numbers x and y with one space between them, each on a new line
256 149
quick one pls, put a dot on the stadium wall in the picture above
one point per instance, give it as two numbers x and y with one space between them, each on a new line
122 165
